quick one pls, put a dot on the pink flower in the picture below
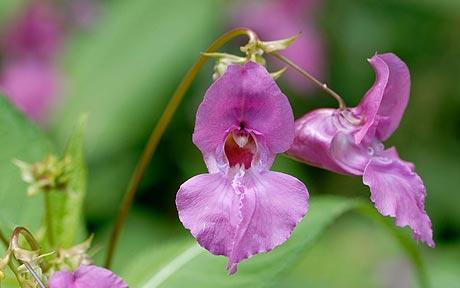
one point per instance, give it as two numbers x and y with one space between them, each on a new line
86 277
30 85
241 208
28 75
350 142
35 33
278 19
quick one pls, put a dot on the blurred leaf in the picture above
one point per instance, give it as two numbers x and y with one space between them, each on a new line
142 230
67 205
124 70
340 252
182 262
445 266
179 263
8 7
19 139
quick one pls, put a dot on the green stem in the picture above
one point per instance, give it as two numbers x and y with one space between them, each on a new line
158 131
34 245
304 73
4 240
49 218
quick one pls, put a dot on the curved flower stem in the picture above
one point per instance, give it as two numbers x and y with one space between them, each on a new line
158 131
49 219
34 245
304 73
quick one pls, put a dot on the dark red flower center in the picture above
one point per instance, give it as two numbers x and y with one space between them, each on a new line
240 148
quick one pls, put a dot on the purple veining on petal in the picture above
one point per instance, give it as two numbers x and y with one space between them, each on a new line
273 204
244 97
86 276
313 135
241 208
399 192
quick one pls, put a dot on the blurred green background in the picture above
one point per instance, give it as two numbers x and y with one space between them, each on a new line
123 68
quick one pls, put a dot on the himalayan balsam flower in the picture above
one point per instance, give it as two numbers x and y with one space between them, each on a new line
279 19
350 142
241 208
86 276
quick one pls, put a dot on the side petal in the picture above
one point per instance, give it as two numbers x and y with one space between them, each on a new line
272 205
385 102
312 142
349 156
245 96
209 207
395 98
369 105
398 192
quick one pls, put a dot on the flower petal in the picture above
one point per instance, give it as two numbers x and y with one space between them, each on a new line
272 205
246 96
61 279
396 96
369 105
385 102
398 192
209 207
87 276
313 135
349 156
242 216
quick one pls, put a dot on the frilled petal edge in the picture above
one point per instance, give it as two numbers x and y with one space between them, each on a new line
238 218
399 192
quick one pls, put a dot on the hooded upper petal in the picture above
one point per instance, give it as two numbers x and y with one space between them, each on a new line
249 214
399 192
384 104
86 276
244 97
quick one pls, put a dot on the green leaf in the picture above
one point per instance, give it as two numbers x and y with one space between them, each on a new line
142 230
67 205
182 262
19 139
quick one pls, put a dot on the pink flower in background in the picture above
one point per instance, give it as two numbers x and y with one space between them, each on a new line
31 86
241 208
36 33
86 277
84 12
278 19
28 75
350 142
